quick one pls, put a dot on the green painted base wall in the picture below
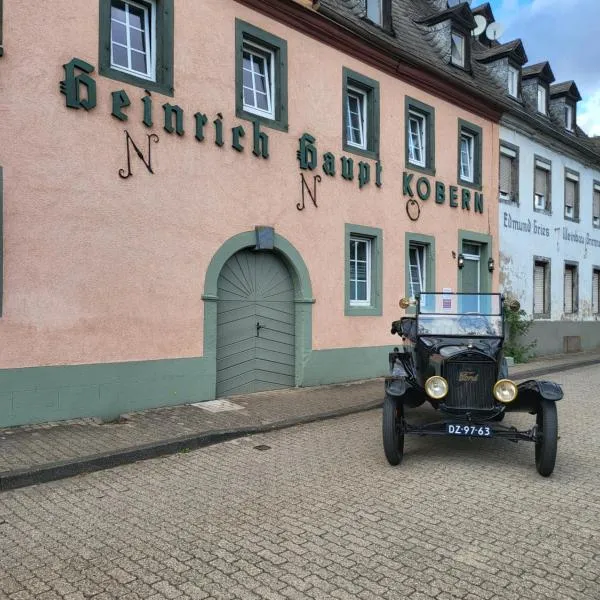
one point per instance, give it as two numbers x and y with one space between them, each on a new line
58 393
346 364
42 394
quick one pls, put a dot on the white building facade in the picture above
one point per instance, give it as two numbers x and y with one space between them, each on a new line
549 231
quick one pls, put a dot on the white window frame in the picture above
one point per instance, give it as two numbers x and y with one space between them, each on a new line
375 11
362 99
149 8
596 201
470 141
421 121
353 283
268 56
458 43
513 81
420 252
540 202
512 155
574 289
545 266
568 117
571 211
596 291
541 99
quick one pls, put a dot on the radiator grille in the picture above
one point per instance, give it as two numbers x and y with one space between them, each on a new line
470 384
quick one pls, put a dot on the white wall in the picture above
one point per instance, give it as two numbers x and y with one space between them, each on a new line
545 234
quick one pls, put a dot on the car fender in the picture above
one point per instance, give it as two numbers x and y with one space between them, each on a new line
532 392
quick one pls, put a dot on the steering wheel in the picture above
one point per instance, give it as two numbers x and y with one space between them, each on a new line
474 324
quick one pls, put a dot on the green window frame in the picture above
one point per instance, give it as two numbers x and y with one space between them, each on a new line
163 37
245 33
477 134
370 88
375 236
428 113
485 242
427 242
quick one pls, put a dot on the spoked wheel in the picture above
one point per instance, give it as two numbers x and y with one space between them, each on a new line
546 444
393 437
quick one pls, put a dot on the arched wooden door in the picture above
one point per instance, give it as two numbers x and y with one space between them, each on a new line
255 324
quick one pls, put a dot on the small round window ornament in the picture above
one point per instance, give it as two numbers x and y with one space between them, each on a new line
413 210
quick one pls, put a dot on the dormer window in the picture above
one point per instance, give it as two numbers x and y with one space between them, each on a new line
541 99
568 117
513 81
374 11
457 56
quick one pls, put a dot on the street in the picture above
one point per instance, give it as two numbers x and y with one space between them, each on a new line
315 511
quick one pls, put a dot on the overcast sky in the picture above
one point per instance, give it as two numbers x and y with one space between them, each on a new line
566 33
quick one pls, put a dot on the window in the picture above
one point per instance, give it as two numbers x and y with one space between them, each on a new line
541 190
509 174
258 80
261 76
360 120
419 264
469 154
571 195
457 52
356 119
136 42
569 117
595 291
420 136
418 269
570 289
513 81
596 205
363 270
374 12
541 99
360 271
541 288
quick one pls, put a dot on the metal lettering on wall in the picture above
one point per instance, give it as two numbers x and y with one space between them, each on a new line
312 194
152 137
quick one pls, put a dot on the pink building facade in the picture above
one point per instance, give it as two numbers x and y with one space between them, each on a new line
200 201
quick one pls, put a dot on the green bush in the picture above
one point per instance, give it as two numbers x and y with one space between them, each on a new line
516 326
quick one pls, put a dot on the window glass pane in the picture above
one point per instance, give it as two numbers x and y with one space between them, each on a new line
138 40
136 16
118 33
466 157
117 11
374 11
138 62
416 139
361 290
256 80
458 49
361 251
541 99
119 56
356 124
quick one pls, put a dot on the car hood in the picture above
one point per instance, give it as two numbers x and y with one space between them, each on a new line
448 347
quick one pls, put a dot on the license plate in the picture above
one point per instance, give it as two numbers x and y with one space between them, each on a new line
469 430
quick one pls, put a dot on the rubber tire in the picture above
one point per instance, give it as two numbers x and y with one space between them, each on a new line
545 449
393 440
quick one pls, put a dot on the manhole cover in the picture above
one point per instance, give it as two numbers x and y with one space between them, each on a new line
262 447
215 406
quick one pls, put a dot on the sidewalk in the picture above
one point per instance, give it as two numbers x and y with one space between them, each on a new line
39 453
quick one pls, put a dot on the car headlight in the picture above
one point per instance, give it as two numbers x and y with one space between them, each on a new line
436 387
505 391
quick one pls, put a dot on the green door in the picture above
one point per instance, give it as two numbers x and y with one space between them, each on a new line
255 324
471 276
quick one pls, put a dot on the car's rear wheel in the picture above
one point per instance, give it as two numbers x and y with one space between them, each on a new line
393 437
547 441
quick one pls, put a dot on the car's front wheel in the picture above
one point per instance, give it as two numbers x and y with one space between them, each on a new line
393 437
547 438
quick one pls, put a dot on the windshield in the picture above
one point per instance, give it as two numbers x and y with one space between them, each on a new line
473 315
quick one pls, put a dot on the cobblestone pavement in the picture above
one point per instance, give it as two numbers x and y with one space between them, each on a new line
321 515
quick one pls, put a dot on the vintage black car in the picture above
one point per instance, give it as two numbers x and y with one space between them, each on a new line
452 357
